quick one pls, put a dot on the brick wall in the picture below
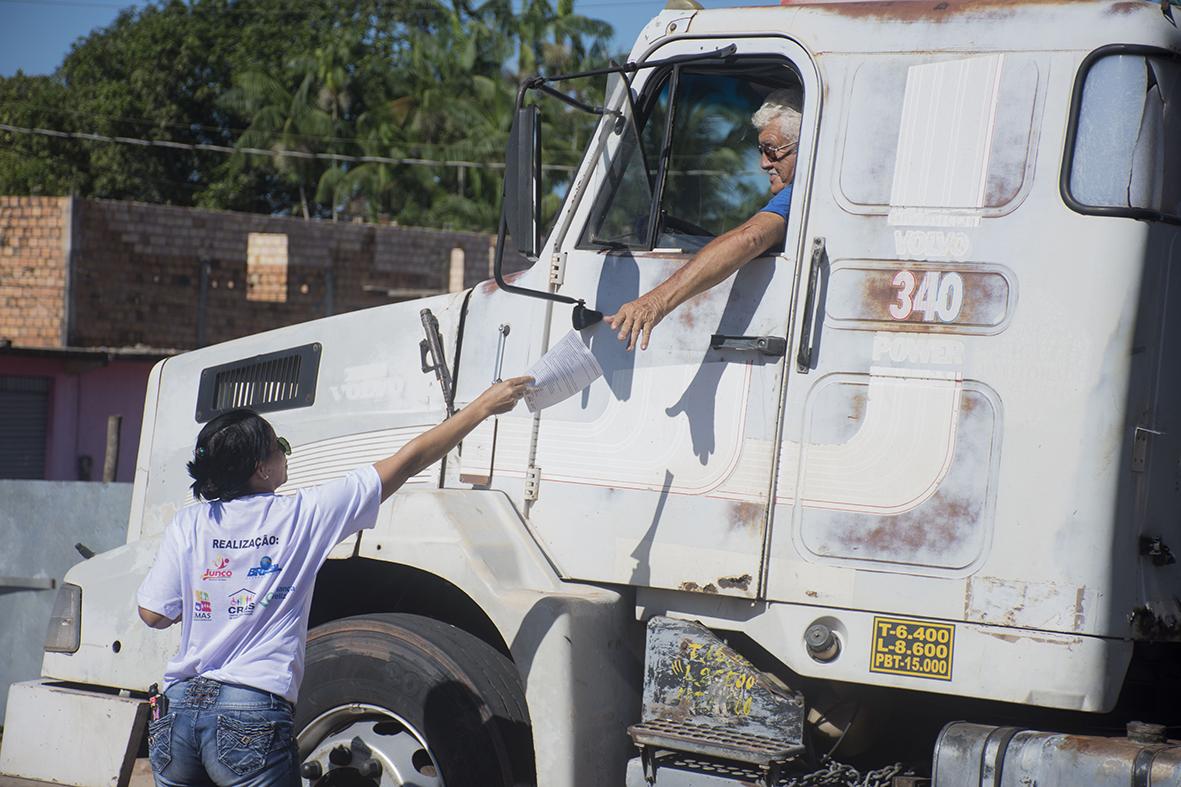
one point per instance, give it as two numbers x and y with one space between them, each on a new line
181 278
178 278
134 274
33 238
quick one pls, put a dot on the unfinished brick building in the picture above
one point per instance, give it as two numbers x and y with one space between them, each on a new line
93 292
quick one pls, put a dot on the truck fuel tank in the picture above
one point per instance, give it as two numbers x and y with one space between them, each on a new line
981 755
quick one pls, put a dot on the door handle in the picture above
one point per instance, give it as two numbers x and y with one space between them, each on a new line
774 346
804 357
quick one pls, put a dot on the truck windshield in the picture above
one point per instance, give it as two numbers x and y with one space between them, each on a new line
688 170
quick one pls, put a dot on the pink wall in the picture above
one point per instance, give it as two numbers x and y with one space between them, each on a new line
83 393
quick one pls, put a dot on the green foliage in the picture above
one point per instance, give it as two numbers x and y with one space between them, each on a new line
428 80
36 165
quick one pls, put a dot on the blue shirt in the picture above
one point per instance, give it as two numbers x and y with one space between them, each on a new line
780 204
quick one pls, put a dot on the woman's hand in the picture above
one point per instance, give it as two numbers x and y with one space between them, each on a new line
430 446
503 396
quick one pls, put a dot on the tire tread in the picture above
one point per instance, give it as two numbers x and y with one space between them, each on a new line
493 676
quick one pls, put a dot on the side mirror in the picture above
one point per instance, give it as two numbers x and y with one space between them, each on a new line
520 213
522 181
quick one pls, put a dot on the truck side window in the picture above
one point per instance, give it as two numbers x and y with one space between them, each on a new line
1127 136
702 168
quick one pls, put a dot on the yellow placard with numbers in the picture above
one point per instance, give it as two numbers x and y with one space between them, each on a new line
917 648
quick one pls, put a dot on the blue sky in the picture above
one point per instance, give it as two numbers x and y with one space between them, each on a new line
35 35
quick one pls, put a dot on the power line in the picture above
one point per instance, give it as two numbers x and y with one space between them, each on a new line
128 5
87 114
299 154
156 178
424 5
140 121
77 3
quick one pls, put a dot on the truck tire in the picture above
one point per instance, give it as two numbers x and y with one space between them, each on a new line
426 694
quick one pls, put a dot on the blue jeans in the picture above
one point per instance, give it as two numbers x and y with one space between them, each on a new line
225 735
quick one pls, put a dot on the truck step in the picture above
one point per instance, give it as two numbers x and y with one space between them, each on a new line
719 742
685 771
702 698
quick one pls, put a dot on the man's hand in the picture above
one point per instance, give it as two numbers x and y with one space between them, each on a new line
636 319
717 260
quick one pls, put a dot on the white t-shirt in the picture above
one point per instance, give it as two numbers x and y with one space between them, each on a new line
242 572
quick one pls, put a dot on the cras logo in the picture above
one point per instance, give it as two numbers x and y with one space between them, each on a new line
278 594
202 609
264 567
219 570
241 604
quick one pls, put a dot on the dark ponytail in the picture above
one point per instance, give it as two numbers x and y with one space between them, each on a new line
229 449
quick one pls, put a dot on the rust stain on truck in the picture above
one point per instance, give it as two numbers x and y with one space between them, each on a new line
746 515
490 286
986 304
724 583
942 11
935 529
693 587
735 583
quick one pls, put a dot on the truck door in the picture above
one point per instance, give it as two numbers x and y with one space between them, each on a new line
660 473
891 433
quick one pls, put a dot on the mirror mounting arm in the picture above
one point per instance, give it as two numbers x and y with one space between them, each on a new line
582 316
539 83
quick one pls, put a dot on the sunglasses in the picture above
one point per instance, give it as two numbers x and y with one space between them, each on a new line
771 152
284 446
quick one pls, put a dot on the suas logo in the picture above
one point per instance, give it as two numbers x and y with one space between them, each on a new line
264 567
219 570
241 603
202 609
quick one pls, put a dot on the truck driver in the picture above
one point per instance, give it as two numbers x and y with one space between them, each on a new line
778 124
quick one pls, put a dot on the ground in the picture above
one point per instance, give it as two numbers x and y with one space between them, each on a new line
141 776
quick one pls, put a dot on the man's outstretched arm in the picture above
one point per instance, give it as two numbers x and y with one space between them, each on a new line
721 257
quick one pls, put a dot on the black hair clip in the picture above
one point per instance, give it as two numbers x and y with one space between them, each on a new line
200 452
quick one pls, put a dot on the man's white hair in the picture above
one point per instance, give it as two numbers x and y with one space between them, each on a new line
780 106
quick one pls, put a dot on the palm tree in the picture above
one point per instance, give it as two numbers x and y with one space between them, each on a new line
282 119
452 103
556 40
420 79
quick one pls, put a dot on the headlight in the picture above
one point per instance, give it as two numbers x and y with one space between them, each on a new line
65 624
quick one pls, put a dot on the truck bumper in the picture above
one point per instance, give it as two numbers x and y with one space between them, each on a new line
73 736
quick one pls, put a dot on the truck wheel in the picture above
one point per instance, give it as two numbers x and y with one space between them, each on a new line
430 704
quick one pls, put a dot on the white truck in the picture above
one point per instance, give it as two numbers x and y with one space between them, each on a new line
906 490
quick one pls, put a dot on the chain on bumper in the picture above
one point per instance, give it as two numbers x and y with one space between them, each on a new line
837 774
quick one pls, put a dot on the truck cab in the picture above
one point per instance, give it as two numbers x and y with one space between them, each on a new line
917 465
